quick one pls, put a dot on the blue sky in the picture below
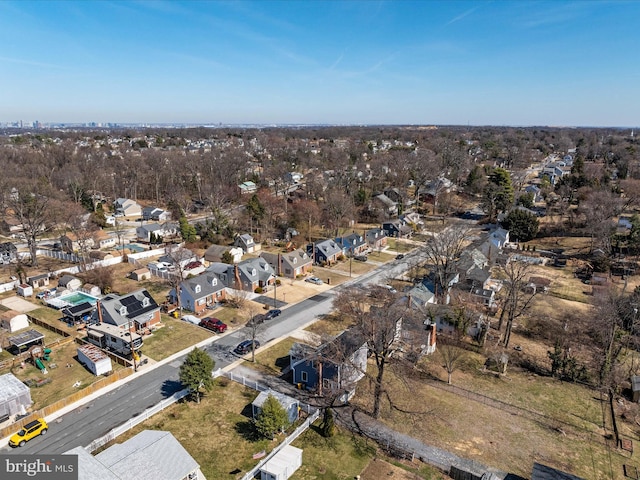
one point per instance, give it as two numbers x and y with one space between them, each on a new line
504 62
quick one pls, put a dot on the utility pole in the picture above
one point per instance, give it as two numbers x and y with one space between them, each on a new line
133 352
275 293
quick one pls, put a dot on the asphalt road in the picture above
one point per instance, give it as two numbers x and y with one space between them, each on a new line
93 420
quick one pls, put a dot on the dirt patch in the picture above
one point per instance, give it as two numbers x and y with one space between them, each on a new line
18 304
379 468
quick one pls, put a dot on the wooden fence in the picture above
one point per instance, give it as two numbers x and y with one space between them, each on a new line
60 404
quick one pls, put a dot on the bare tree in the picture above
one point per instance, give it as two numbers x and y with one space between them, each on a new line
441 253
452 355
518 296
31 207
179 258
83 229
378 317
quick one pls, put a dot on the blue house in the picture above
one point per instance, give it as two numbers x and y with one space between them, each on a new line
353 244
324 252
335 366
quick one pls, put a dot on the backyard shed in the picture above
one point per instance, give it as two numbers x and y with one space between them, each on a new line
91 289
25 290
141 274
94 359
13 321
69 282
288 403
15 396
282 465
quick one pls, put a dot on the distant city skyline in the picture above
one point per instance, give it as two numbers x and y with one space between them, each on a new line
517 63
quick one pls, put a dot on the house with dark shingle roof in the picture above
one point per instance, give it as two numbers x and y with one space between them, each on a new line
324 252
352 244
376 238
289 264
134 311
198 293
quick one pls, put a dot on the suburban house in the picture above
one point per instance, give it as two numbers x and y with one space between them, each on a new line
198 293
397 228
535 191
385 205
413 219
253 273
554 171
134 311
248 187
151 454
155 214
324 252
425 293
376 238
103 240
429 192
127 208
290 264
8 253
179 258
71 243
69 282
335 366
215 253
353 244
289 404
494 243
246 243
162 230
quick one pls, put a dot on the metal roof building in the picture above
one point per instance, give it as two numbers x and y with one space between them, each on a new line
15 396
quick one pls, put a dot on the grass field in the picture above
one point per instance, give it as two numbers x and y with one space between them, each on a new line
569 436
224 449
176 335
273 360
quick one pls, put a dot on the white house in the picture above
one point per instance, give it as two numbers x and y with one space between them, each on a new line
282 465
127 207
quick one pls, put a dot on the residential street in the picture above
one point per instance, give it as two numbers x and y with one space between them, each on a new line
99 415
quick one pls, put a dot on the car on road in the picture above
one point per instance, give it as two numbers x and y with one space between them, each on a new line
214 324
191 319
29 431
360 258
245 347
314 280
400 256
272 313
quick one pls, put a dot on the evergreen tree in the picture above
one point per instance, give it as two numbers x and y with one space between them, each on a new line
187 231
522 225
195 372
502 179
272 418
328 425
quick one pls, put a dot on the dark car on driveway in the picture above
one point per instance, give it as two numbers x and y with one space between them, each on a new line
245 347
400 256
272 313
360 258
214 324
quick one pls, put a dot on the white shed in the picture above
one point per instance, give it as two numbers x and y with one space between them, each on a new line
94 359
282 465
15 396
13 321
25 290
69 282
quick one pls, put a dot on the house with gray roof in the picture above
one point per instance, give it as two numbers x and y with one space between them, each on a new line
324 252
198 293
289 264
397 228
150 455
353 244
385 205
376 238
162 230
134 311
247 275
246 243
215 253
156 214
127 207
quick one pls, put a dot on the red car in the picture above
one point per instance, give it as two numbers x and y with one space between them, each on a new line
214 324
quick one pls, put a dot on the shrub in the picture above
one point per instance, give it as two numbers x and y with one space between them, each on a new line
259 290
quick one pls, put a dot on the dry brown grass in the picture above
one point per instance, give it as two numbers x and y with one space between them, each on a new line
565 431
174 336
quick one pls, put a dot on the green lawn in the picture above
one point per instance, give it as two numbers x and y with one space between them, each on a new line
176 335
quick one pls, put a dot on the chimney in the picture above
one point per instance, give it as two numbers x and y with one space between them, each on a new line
99 309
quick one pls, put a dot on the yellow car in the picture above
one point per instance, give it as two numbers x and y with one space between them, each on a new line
29 431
